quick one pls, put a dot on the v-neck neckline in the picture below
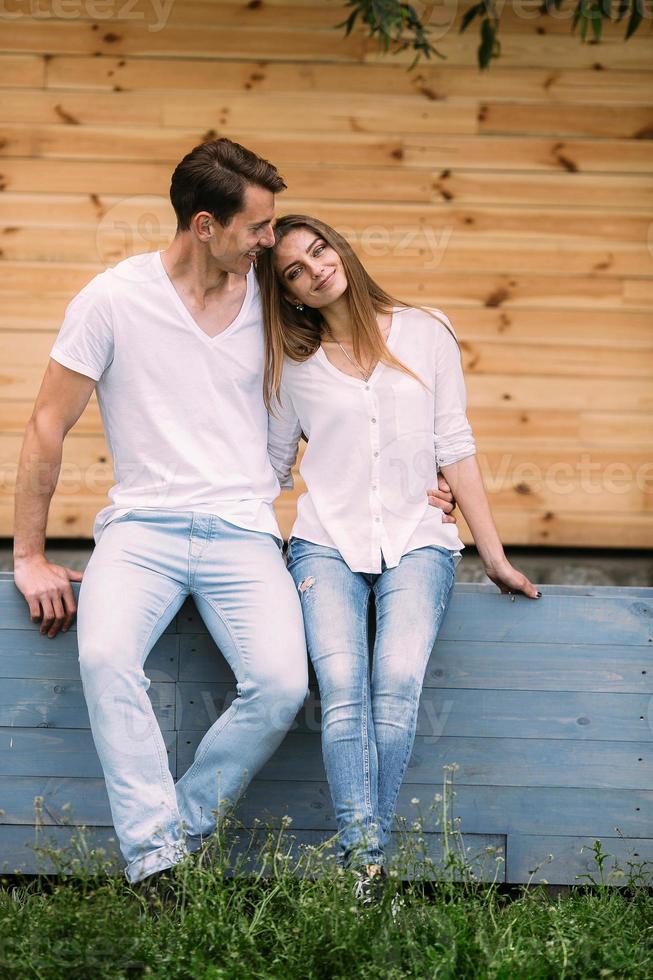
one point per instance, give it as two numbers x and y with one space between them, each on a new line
321 353
190 319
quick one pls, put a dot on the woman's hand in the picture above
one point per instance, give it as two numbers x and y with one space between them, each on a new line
510 580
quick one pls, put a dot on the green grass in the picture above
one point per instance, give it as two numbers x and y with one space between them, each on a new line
279 910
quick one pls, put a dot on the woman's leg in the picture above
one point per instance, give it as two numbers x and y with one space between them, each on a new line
411 602
335 604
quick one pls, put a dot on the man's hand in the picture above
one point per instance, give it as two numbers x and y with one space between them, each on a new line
48 592
444 499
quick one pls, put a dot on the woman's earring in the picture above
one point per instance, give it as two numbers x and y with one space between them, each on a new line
299 307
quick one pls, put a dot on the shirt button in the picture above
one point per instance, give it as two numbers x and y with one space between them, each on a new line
377 520
367 387
376 454
372 420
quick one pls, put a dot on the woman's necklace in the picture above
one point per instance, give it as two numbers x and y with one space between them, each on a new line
365 375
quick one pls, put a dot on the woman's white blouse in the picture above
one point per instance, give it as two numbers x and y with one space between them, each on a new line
373 446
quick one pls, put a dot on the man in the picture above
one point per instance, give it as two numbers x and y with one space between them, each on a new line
173 343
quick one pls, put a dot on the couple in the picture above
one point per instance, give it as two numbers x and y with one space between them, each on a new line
206 382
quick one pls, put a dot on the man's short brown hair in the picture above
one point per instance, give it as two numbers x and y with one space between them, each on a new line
213 177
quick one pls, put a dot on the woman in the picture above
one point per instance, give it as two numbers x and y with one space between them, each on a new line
377 389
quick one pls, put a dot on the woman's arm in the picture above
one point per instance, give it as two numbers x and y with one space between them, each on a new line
464 478
466 482
455 451
284 432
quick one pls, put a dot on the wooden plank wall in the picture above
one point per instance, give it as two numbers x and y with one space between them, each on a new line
519 200
545 707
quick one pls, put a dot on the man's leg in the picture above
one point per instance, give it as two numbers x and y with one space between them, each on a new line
134 584
248 601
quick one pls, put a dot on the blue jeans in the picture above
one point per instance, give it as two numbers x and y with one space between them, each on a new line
143 567
369 712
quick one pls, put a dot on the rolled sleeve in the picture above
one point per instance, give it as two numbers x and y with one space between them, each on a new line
85 340
452 432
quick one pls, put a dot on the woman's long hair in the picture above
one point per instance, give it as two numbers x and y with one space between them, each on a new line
297 334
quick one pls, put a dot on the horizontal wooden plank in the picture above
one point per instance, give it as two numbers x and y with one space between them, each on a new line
26 175
636 291
536 666
74 109
533 392
152 143
486 153
625 122
481 809
338 113
504 292
274 14
529 153
566 529
431 81
74 800
53 848
484 854
64 752
573 189
349 184
25 355
22 71
538 428
482 761
585 429
393 229
135 38
490 664
546 482
401 114
56 703
555 51
51 851
557 327
562 619
475 713
49 136
383 250
248 112
569 860
203 41
25 653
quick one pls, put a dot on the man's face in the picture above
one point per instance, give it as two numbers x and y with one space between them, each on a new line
236 245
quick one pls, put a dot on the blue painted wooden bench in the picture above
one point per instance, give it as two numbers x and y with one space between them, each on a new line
546 707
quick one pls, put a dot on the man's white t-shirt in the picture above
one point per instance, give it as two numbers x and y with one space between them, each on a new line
183 412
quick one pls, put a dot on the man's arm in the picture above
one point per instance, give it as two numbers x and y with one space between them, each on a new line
443 498
284 433
62 398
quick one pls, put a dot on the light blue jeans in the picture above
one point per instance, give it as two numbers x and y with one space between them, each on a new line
142 569
369 711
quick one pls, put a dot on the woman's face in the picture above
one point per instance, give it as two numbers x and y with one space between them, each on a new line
310 271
